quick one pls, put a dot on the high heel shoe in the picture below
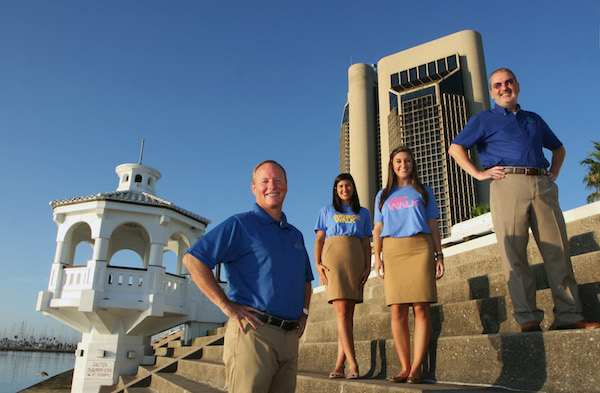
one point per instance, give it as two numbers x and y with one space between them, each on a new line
414 380
397 379
335 374
353 375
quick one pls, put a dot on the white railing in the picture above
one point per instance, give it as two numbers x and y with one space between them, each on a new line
74 280
124 284
174 289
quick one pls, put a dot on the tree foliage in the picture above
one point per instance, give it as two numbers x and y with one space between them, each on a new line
479 210
592 177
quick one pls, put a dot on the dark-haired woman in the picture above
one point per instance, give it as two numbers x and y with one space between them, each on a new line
343 261
407 232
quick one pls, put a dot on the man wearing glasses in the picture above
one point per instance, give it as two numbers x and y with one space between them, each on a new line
523 195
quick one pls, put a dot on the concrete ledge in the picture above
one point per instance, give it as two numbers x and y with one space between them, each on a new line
316 383
521 361
209 373
571 216
174 383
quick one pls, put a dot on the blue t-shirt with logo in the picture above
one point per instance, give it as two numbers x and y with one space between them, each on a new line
348 223
404 213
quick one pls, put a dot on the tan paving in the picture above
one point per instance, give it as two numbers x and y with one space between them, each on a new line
60 383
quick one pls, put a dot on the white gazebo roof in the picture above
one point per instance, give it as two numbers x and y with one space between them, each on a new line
137 183
127 196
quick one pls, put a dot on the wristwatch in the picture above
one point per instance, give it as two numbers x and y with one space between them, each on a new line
305 311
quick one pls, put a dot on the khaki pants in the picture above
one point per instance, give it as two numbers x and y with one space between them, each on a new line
520 202
262 360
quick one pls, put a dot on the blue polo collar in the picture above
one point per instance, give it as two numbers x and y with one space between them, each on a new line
503 110
264 218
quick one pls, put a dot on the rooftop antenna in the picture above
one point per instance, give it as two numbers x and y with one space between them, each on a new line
141 152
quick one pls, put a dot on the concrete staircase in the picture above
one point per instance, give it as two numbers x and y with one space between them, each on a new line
476 347
196 368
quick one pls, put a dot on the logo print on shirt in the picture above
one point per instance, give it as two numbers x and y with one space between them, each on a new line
346 219
297 245
400 203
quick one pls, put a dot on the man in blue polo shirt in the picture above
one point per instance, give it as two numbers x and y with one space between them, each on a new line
269 275
523 195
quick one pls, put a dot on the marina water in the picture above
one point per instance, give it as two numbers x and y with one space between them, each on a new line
19 369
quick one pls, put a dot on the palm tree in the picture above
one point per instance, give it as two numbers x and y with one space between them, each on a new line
592 178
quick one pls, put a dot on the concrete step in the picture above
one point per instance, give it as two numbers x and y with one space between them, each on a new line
168 365
211 373
481 256
517 361
551 361
144 371
164 351
139 390
161 341
489 286
202 373
175 344
213 353
200 341
318 383
216 332
175 383
186 351
479 316
162 362
124 380
585 267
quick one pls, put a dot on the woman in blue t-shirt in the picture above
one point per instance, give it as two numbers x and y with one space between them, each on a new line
343 261
406 229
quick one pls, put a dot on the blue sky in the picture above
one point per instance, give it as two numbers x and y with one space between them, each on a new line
215 87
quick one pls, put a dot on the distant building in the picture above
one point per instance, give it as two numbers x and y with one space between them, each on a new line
420 97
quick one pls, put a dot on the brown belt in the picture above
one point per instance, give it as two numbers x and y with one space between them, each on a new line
525 171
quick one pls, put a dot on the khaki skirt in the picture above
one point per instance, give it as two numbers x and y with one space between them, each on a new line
409 270
345 258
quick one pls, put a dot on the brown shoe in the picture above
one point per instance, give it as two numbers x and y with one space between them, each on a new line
397 379
414 380
531 326
583 324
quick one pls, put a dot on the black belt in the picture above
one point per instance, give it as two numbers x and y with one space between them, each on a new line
285 324
524 171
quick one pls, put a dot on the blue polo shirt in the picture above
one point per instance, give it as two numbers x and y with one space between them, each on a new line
404 213
348 223
505 139
265 260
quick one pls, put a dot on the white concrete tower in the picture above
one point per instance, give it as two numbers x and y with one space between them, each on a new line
117 309
362 105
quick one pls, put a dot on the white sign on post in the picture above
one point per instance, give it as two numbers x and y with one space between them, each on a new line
100 369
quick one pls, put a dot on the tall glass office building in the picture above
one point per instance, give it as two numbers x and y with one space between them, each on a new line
421 97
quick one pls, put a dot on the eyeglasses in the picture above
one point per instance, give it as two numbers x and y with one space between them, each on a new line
507 83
